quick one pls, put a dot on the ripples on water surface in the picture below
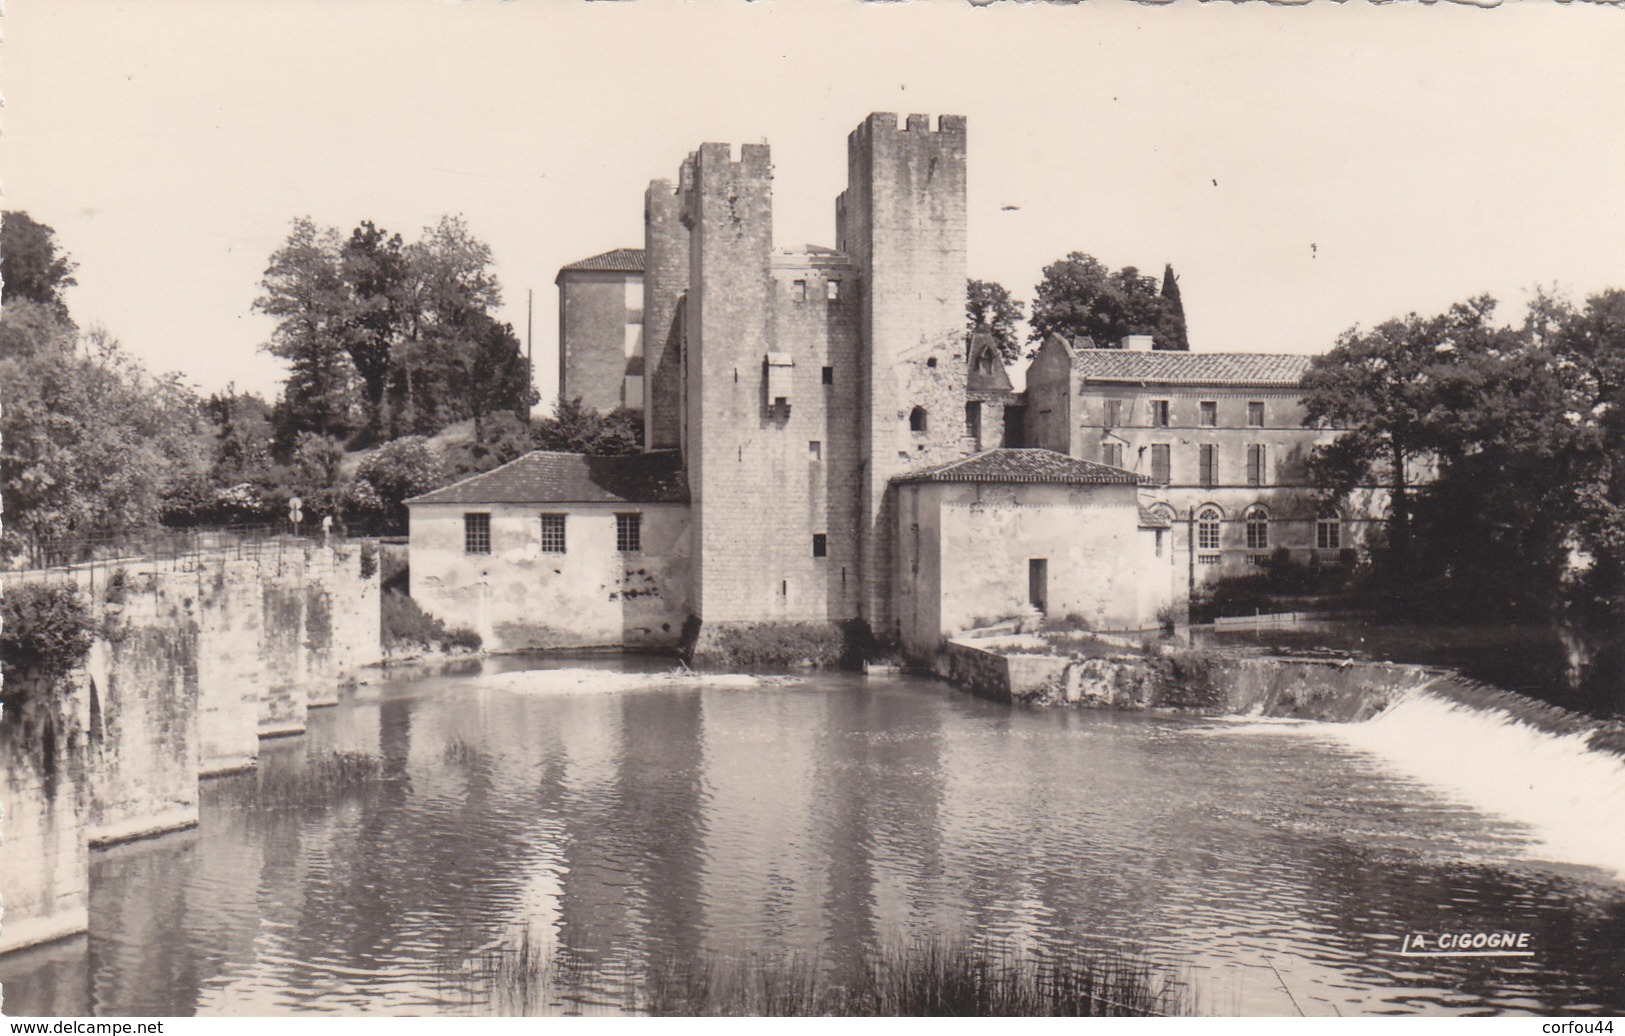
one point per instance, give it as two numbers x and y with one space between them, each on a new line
827 818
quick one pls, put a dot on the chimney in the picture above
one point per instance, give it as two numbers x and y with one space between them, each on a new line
1137 343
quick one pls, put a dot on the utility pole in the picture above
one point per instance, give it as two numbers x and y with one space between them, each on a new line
530 368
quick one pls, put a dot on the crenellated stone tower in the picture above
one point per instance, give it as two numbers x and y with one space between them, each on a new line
901 220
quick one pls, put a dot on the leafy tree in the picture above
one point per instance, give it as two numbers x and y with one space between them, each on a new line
92 444
1381 386
991 309
374 267
1080 297
576 428
395 471
498 439
306 294
1170 333
35 270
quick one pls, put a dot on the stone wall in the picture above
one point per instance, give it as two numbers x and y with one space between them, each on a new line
44 847
195 655
665 280
600 343
965 550
901 219
142 679
1338 691
519 598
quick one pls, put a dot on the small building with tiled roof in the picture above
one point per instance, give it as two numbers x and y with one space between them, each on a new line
1008 531
557 550
601 329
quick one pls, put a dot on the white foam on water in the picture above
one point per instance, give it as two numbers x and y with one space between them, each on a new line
1572 797
605 681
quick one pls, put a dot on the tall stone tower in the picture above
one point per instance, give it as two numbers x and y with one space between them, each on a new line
901 220
727 208
665 279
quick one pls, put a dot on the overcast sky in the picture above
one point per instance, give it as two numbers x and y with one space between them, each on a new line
1303 169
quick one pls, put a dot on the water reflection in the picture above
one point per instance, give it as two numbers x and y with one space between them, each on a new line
827 818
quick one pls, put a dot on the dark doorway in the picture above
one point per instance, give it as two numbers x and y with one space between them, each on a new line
1038 583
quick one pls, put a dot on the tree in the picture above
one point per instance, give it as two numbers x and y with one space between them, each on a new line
35 270
90 443
1079 297
991 309
1380 386
374 266
305 292
576 428
396 471
1170 333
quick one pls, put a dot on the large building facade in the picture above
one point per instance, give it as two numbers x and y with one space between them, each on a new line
1219 436
803 392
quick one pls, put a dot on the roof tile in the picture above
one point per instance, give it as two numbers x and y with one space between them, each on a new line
543 477
627 260
1023 465
1185 368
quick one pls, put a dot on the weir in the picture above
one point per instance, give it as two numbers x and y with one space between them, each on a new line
192 665
1559 773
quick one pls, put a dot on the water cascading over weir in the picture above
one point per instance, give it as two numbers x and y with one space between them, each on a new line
1559 773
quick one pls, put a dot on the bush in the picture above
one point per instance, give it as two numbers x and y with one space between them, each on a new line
47 630
771 645
408 627
369 560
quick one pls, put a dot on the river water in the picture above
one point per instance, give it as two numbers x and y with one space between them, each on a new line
1274 866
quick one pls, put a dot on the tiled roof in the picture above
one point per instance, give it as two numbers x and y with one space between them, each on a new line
1150 519
1183 368
1027 465
625 260
543 477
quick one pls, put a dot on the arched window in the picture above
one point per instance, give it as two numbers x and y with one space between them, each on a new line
1207 535
984 362
1164 512
1258 529
916 419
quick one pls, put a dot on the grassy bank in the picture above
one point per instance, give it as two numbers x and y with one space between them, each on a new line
919 978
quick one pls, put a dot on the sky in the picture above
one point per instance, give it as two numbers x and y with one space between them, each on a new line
1304 169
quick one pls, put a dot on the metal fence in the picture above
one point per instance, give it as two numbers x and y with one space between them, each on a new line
163 549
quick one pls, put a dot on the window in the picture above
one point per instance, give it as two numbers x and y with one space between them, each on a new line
815 450
931 362
832 290
1210 465
1160 466
628 533
1210 413
1159 542
1255 464
553 534
1159 413
916 419
1258 529
984 362
1207 529
820 545
1255 415
1329 533
477 533
1114 413
1111 453
829 375
973 421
